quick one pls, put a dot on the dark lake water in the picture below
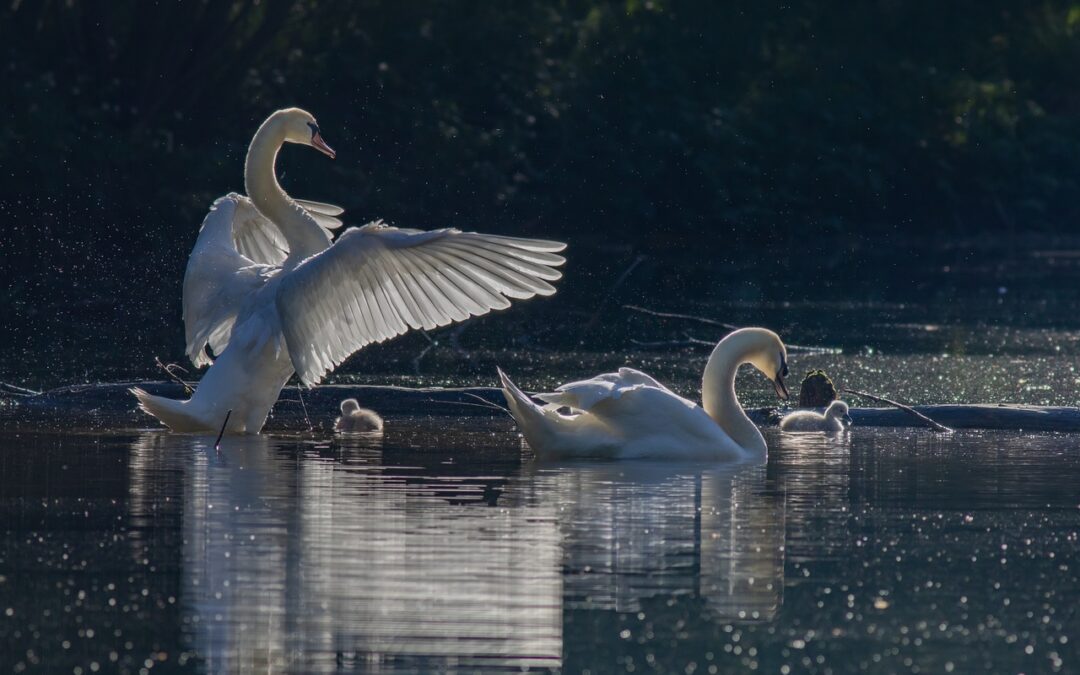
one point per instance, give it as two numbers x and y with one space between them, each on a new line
445 547
442 545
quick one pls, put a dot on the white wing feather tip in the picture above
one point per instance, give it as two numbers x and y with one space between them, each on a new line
378 281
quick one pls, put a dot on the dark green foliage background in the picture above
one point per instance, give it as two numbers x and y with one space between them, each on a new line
699 131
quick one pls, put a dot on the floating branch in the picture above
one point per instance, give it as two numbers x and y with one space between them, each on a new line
908 409
684 317
692 341
687 341
168 368
13 390
110 406
484 403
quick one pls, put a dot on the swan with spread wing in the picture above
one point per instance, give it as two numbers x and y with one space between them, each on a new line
269 291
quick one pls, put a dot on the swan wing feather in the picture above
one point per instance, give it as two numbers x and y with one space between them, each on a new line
324 214
642 411
219 278
377 282
321 207
257 237
254 236
585 394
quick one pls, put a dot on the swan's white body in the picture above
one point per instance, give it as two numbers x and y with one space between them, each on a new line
629 414
354 418
834 419
267 291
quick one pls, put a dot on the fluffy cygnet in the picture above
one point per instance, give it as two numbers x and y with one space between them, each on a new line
836 418
355 418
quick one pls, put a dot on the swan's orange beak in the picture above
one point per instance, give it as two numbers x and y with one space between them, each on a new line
320 145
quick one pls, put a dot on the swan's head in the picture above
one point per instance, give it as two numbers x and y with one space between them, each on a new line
299 126
349 407
768 354
839 410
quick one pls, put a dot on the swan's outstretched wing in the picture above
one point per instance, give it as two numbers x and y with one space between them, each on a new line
238 249
257 238
224 271
377 282
254 236
585 394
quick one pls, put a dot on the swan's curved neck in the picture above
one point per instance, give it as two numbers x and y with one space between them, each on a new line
718 396
303 234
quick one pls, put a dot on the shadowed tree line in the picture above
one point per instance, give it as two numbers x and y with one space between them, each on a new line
674 127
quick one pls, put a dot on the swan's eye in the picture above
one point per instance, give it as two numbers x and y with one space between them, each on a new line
783 366
314 129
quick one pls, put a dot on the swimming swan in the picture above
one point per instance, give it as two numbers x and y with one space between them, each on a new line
630 415
355 418
836 418
269 294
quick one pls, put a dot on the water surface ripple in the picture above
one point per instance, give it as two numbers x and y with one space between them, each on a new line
447 548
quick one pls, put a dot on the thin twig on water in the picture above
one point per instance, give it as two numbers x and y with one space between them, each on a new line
300 393
484 403
455 339
13 390
687 341
188 389
640 258
692 341
217 443
908 409
685 317
433 343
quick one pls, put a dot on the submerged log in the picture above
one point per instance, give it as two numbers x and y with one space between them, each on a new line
111 407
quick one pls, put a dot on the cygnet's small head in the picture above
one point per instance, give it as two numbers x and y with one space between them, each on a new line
838 410
769 356
299 126
349 407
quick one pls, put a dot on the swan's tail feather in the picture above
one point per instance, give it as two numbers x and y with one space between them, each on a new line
531 418
169 412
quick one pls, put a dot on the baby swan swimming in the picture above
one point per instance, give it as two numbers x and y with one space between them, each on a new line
629 415
355 418
836 418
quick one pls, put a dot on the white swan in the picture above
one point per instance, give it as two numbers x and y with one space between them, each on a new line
836 418
355 418
630 415
269 294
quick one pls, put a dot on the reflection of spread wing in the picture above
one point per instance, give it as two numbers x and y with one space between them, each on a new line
377 282
585 394
238 249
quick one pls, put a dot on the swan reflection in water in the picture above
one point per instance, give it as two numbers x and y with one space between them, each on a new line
305 555
639 530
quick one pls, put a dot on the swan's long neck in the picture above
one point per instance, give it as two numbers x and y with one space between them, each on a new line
303 234
718 394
